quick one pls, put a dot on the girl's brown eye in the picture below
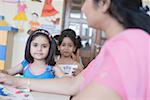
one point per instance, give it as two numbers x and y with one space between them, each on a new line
44 46
35 45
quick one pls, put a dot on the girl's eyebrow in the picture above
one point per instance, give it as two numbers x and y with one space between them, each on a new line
42 44
45 44
34 42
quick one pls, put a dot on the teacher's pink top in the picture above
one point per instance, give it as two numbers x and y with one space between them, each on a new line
123 65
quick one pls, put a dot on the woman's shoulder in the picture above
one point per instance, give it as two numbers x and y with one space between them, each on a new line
133 34
130 44
129 37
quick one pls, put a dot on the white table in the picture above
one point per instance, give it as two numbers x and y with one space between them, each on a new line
42 96
49 96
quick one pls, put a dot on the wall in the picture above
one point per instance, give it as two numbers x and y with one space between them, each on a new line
9 10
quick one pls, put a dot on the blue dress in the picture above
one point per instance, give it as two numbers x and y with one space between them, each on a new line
27 73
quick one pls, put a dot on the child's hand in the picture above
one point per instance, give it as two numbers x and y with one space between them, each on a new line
58 72
77 70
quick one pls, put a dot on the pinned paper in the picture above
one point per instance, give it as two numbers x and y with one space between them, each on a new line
48 9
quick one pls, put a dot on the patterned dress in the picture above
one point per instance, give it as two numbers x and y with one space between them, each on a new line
21 16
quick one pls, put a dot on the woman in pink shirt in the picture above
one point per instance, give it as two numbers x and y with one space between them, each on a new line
121 71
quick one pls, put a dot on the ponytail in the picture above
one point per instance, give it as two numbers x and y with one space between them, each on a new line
137 19
130 14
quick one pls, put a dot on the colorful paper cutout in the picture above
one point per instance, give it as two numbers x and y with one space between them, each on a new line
34 22
21 15
48 9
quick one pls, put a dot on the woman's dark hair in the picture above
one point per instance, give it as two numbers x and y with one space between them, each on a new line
41 32
68 33
130 13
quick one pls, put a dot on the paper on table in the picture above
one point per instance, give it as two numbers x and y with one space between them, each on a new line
11 93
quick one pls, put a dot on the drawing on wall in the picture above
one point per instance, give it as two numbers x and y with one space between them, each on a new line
48 9
49 13
34 24
55 21
37 0
31 14
21 15
53 29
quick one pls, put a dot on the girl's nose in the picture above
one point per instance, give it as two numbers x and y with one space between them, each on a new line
66 47
39 48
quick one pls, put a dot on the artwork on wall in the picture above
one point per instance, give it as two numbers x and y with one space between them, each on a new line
21 14
32 14
55 21
34 23
48 9
37 0
49 13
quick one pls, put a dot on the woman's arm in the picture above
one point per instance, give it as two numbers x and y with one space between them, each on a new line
66 85
96 91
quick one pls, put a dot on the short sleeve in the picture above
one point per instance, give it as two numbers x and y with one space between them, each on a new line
24 63
109 75
49 68
121 65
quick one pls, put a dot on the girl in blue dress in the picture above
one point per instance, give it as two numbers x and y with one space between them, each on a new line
39 56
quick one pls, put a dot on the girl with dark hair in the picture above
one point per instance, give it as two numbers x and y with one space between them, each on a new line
121 70
67 45
39 56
